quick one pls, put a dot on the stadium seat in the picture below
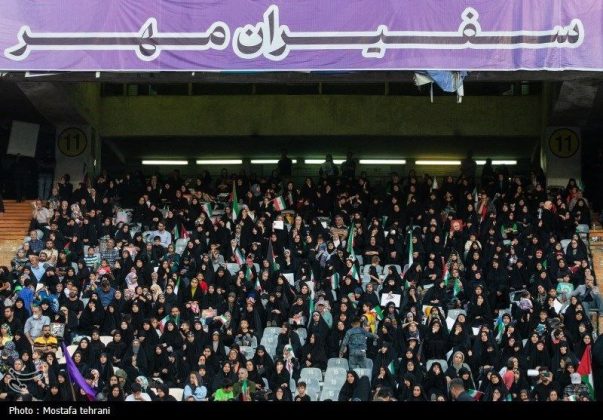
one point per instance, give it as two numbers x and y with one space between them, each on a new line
330 394
364 372
442 362
515 296
181 245
309 373
147 236
337 362
106 339
275 331
454 313
302 333
247 351
564 244
233 268
335 375
396 266
177 393
367 267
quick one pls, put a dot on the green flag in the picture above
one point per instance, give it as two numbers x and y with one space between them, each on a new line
350 244
175 232
354 273
410 252
235 203
335 281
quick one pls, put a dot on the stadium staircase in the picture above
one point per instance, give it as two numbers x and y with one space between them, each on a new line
14 224
596 249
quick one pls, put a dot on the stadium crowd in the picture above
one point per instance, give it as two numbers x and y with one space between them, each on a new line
254 288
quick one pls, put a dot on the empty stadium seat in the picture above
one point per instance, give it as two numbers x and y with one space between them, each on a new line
106 339
177 393
181 245
247 351
310 373
330 394
564 244
302 333
233 268
335 376
454 313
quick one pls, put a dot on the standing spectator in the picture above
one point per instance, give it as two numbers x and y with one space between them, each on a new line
46 166
356 342
284 165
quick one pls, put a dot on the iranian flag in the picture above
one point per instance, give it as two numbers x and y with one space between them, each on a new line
392 368
185 233
235 203
350 243
270 257
476 395
585 369
279 203
208 208
335 281
239 256
410 252
163 322
175 232
177 286
456 288
249 276
311 306
378 312
499 327
354 273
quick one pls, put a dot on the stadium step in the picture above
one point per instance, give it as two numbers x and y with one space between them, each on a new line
15 220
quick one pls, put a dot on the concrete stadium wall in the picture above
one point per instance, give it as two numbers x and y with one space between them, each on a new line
321 115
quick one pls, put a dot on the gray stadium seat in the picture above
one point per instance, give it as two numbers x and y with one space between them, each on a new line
302 333
330 394
233 268
365 269
364 372
338 362
396 266
308 374
442 362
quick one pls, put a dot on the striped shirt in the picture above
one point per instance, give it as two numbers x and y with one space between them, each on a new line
92 261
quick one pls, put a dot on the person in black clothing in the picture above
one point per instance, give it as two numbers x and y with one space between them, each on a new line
457 391
301 392
284 165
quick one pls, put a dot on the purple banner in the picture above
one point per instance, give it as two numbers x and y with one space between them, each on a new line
75 375
300 35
